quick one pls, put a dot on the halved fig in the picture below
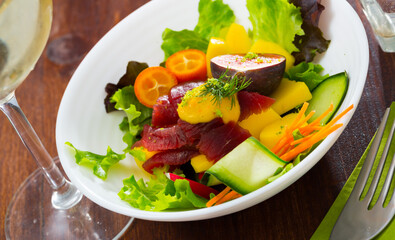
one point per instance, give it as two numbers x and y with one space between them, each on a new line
264 70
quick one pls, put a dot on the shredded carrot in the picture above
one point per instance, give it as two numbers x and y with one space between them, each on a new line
309 129
287 137
315 125
288 148
284 149
230 196
218 197
318 119
303 120
340 115
281 143
226 195
309 142
301 140
299 116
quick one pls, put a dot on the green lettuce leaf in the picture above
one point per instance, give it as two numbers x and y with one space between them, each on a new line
174 41
275 21
160 193
214 15
99 163
138 154
137 115
308 73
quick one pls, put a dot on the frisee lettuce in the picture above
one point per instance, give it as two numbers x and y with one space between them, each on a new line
99 163
275 21
160 193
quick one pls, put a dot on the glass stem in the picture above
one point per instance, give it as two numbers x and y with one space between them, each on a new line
65 194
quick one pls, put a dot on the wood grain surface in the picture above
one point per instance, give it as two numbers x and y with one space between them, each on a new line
294 213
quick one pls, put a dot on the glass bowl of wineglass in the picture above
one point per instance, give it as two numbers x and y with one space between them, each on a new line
46 204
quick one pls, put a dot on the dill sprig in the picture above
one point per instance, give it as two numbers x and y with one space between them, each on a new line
224 87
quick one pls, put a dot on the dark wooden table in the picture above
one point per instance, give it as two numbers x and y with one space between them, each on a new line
294 213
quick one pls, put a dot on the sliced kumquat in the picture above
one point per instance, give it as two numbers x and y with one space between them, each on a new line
152 83
188 65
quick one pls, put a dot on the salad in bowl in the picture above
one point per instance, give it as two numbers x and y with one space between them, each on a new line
210 117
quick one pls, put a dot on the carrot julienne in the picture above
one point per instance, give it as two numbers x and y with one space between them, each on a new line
220 195
230 196
288 131
305 119
300 140
318 120
309 143
341 115
287 148
226 195
298 117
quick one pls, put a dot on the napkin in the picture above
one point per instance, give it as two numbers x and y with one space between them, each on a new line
325 228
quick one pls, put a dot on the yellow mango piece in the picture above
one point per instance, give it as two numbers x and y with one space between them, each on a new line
289 94
200 163
237 39
256 122
216 47
272 132
261 46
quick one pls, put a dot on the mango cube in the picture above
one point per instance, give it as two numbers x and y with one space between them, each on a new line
200 163
216 47
270 134
289 95
256 122
237 39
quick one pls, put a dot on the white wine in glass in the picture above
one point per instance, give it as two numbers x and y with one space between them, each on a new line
46 206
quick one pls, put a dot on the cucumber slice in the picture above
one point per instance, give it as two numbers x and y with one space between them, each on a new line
331 90
210 180
247 167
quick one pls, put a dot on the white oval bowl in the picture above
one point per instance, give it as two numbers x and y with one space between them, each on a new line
82 119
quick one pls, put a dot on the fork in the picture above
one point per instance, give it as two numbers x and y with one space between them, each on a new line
356 221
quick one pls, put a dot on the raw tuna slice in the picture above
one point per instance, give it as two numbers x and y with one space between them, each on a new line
174 158
193 132
252 103
220 141
160 139
178 91
164 112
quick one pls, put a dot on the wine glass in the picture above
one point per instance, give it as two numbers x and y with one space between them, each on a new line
46 206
